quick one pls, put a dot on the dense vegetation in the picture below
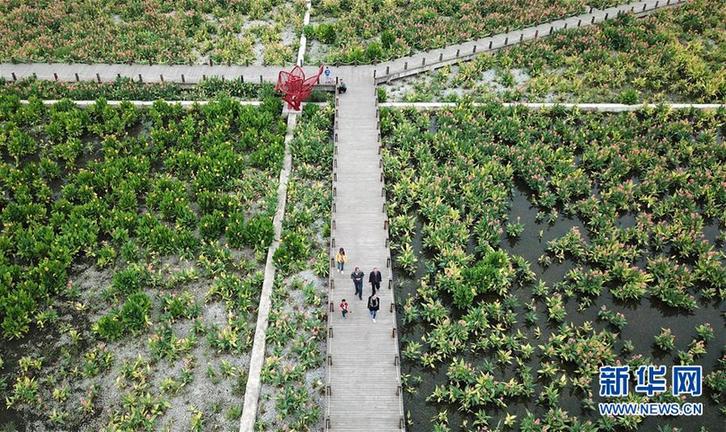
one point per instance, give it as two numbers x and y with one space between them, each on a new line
674 54
131 251
618 217
154 31
293 375
366 31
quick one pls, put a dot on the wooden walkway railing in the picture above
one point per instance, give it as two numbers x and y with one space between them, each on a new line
364 383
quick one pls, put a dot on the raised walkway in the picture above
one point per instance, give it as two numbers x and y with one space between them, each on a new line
363 368
100 72
257 354
452 54
383 72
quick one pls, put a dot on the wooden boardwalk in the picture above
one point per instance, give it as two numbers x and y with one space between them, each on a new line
363 371
452 54
390 70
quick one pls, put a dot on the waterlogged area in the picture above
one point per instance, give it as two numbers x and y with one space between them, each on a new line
547 235
644 321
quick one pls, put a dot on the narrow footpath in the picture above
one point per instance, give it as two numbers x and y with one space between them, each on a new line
363 367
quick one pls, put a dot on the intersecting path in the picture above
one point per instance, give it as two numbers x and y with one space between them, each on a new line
452 54
363 368
181 74
391 70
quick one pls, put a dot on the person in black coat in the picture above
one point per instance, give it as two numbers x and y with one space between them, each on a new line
357 277
374 303
375 279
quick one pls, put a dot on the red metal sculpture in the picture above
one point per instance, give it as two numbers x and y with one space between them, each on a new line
295 88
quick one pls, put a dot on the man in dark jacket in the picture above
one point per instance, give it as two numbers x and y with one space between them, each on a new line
357 277
375 279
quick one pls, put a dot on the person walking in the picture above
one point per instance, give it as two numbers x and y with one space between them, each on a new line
374 303
344 308
375 279
357 277
341 259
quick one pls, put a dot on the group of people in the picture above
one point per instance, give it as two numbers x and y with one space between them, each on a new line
374 278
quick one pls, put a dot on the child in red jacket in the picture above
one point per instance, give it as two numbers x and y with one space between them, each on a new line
344 308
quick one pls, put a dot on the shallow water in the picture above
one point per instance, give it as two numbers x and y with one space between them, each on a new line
645 319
